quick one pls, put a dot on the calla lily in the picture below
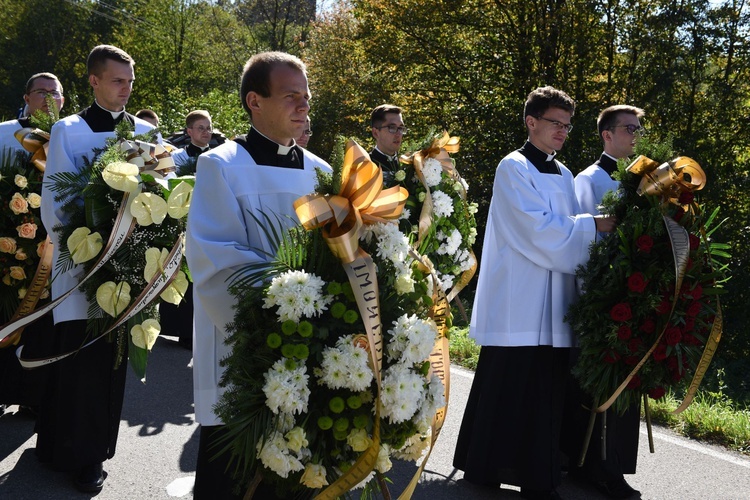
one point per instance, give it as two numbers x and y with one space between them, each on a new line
122 176
145 334
113 298
179 200
149 208
155 260
84 245
176 290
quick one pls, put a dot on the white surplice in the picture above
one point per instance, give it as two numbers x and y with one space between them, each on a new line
591 185
8 142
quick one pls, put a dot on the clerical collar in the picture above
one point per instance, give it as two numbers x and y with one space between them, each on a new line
201 148
24 122
267 152
608 163
392 157
102 120
543 162
115 114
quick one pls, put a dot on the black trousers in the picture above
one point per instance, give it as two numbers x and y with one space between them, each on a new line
27 387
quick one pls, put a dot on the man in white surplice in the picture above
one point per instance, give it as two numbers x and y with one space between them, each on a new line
534 240
263 171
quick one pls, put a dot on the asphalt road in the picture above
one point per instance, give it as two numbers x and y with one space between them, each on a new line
158 443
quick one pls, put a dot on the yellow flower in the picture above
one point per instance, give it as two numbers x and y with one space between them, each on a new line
176 290
18 204
296 439
314 476
21 181
84 246
149 208
8 245
145 334
113 298
358 440
34 200
17 273
21 293
122 176
6 280
155 260
179 200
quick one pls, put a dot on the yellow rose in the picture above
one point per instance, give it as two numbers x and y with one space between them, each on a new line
155 260
34 200
17 273
18 204
113 298
21 293
179 200
149 208
122 176
314 476
145 334
296 439
83 246
6 280
7 245
27 230
383 463
176 290
358 440
21 181
21 255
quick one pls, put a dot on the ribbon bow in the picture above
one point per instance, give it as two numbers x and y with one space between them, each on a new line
361 200
36 142
151 158
669 179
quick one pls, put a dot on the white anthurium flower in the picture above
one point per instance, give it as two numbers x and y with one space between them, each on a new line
145 334
84 245
176 290
178 203
122 176
155 260
113 297
149 208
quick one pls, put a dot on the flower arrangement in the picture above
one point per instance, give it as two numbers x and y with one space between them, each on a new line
649 314
24 264
439 219
340 337
127 235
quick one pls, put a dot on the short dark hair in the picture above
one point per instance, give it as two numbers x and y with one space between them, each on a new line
609 116
377 117
194 116
256 73
101 53
147 113
46 76
543 98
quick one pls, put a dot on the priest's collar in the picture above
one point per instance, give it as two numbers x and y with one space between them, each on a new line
201 148
115 114
392 157
543 162
267 152
608 163
267 143
102 120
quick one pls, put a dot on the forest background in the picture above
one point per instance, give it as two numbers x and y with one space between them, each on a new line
464 66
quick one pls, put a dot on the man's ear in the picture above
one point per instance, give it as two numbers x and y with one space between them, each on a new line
252 101
93 81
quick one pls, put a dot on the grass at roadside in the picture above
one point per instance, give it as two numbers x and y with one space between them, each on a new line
712 416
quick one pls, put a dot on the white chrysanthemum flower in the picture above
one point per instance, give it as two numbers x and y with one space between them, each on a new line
442 204
449 243
275 455
401 393
344 366
411 339
405 214
432 171
413 449
297 294
286 390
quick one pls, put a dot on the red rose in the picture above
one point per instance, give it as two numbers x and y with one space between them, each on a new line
697 291
632 360
624 333
634 345
695 242
637 282
660 353
665 307
634 382
690 339
686 198
694 309
672 363
644 243
678 215
677 376
689 325
657 393
621 312
673 335
611 357
648 326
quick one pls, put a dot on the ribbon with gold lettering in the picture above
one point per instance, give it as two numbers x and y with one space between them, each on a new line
360 200
36 142
153 159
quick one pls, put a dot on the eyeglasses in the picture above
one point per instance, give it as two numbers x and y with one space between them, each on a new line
308 133
558 125
201 129
393 129
632 129
44 93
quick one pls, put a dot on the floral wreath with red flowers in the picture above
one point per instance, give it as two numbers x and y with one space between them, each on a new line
645 324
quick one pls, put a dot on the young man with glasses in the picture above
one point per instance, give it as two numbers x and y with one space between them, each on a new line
535 239
388 130
304 138
37 88
619 127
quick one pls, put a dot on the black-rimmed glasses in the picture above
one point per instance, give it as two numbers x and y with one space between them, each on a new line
558 125
393 129
632 129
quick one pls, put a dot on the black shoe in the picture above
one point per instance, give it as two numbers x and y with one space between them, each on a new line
616 488
91 478
540 494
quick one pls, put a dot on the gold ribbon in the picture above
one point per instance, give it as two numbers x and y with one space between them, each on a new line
153 159
36 142
668 179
